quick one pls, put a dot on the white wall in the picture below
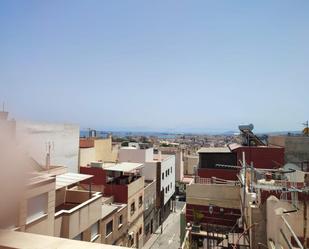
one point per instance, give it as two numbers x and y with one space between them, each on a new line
33 138
168 163
130 154
150 170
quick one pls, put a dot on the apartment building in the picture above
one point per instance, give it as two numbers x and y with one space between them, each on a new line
150 224
78 211
55 206
92 149
114 224
125 183
179 160
156 167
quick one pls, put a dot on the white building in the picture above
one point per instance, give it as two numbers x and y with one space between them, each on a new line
63 140
156 167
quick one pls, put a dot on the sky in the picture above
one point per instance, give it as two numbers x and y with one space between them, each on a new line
190 66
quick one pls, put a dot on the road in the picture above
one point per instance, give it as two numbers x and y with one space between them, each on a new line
169 239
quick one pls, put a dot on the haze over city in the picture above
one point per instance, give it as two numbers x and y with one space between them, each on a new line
192 66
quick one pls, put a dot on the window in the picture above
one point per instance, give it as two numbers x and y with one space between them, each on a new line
166 190
163 176
140 201
171 185
171 170
165 173
120 221
37 207
147 229
131 239
109 228
132 209
140 230
94 230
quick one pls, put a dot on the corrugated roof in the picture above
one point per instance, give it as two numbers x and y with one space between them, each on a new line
214 150
124 167
68 179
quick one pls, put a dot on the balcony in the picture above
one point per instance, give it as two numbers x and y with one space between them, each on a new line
123 180
76 211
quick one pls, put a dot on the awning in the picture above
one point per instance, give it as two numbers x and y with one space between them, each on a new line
125 167
68 179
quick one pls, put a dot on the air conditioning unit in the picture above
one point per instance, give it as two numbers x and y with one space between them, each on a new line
131 235
252 197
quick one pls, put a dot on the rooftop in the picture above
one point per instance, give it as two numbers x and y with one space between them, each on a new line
214 150
123 166
108 209
12 239
68 179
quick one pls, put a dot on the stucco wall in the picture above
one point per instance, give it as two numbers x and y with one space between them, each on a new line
135 155
119 233
104 150
212 194
149 170
296 148
135 190
275 223
64 138
86 156
189 163
168 163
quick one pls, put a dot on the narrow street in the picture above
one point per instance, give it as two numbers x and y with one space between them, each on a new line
169 239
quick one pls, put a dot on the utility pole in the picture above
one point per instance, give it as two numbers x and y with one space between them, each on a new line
306 129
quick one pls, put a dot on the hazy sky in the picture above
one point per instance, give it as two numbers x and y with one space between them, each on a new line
157 65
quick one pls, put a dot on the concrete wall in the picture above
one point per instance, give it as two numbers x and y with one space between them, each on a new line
33 138
214 194
45 224
296 148
104 150
86 156
275 223
149 210
137 228
80 219
149 170
189 163
135 190
129 154
119 234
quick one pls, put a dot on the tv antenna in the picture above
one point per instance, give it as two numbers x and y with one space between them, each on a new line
49 146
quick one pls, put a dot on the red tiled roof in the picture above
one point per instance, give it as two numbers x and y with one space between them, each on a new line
86 143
